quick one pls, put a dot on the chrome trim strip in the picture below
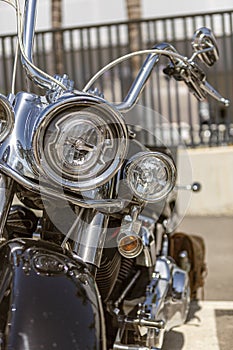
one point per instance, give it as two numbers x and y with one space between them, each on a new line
51 192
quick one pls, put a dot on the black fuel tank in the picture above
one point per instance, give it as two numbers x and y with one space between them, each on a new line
48 300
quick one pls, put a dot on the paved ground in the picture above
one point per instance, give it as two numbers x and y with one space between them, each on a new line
209 328
210 325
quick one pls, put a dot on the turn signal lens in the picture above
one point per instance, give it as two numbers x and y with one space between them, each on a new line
130 245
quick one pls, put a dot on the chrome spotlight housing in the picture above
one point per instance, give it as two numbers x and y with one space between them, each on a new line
151 176
80 142
7 118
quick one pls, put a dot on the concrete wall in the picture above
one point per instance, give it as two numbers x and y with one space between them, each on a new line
213 168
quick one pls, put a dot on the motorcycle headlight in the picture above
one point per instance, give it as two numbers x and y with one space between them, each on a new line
80 143
151 175
6 118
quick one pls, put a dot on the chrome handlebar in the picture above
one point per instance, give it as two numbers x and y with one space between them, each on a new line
180 67
142 77
28 36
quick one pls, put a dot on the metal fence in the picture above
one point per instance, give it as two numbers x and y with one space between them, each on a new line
166 108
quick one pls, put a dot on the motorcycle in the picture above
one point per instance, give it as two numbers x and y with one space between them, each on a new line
85 249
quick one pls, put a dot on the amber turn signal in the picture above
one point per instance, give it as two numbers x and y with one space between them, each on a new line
130 245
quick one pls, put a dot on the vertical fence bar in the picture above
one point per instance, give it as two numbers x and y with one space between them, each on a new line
169 97
63 61
157 75
99 56
37 51
230 127
90 58
73 69
178 110
43 49
214 120
12 56
83 68
151 87
111 76
189 107
225 60
5 72
119 53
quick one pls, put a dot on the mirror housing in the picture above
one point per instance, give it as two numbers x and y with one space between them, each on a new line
204 39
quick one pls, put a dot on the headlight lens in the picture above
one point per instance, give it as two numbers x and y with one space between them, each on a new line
151 175
6 118
81 144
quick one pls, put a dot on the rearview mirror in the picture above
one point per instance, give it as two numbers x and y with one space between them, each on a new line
205 45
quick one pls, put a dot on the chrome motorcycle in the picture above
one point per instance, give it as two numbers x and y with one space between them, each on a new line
84 263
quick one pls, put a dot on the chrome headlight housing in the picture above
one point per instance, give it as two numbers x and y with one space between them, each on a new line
80 143
6 118
150 175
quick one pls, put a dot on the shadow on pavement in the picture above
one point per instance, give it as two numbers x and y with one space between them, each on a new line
194 307
174 340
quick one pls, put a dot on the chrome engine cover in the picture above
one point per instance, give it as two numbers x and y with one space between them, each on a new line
165 306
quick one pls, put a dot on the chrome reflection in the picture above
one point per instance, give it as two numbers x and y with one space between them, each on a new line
7 118
48 263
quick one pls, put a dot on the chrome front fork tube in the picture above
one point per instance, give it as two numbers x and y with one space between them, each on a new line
6 197
90 236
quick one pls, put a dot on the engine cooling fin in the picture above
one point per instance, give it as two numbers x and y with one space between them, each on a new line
113 274
108 272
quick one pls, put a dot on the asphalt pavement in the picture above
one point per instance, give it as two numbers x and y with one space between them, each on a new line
210 322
